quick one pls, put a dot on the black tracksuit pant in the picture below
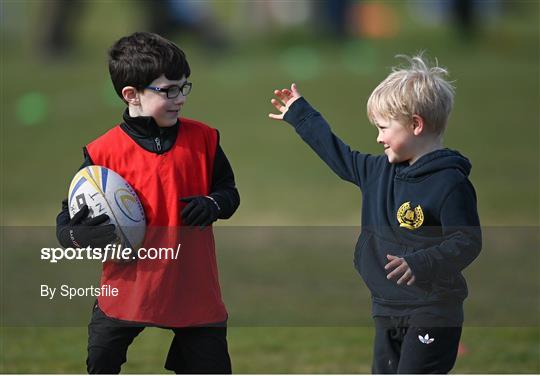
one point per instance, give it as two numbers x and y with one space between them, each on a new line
193 350
404 346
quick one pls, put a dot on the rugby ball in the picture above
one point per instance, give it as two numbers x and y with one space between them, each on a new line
106 192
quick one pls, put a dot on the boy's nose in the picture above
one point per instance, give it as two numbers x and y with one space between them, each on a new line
180 99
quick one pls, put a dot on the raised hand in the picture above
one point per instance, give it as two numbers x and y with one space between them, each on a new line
285 98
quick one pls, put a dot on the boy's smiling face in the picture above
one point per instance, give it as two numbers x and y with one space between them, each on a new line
397 138
165 111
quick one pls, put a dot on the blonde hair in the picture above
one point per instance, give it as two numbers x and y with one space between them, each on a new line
414 90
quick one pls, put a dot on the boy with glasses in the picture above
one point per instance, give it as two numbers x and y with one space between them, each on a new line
183 178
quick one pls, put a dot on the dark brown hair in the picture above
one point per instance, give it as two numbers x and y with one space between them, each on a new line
138 59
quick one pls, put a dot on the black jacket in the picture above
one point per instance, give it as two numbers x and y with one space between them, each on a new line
147 134
425 212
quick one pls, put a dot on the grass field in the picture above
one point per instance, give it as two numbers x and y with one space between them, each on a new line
495 123
269 350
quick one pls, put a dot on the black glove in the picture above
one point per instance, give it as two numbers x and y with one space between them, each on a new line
199 211
83 231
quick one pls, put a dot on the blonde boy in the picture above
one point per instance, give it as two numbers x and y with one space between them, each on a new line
420 225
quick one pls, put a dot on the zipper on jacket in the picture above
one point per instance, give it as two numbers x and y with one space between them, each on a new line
158 144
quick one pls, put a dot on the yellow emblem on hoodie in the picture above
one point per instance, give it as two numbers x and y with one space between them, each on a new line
410 218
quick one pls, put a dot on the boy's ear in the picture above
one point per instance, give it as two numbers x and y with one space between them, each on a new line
417 124
131 95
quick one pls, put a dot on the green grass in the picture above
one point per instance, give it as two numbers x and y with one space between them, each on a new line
495 121
281 181
268 350
296 305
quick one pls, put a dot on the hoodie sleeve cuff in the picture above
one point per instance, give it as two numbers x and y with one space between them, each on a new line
420 266
299 112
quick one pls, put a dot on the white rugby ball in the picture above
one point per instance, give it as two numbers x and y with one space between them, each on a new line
106 192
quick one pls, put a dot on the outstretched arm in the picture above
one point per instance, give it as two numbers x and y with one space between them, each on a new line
315 131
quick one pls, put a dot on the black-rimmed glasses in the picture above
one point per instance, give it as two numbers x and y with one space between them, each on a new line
174 90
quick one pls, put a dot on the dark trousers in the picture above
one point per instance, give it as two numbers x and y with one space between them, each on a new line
193 350
403 346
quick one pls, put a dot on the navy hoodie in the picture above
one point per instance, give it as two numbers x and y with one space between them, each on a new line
425 213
